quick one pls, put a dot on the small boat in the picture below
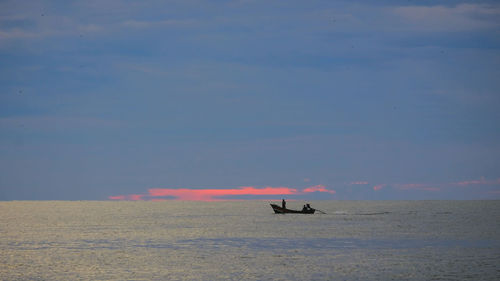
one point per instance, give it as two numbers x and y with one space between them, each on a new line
279 210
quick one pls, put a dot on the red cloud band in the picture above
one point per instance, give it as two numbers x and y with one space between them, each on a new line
211 194
216 194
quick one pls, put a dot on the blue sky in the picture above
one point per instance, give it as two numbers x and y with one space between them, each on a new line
365 99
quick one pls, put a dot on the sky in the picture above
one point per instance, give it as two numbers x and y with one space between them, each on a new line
217 100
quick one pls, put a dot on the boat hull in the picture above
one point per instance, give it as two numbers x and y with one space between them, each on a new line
279 210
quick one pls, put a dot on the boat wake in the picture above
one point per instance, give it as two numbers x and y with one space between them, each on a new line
359 214
373 214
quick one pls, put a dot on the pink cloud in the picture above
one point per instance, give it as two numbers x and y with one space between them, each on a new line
481 181
135 197
318 188
212 194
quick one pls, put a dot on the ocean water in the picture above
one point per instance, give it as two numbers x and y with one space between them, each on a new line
245 240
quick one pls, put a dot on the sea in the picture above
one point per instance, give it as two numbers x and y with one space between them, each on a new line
245 240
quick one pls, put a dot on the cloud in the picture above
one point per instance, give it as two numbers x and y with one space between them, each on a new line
463 17
18 34
439 186
49 123
481 181
318 188
27 25
135 197
416 186
214 194
158 23
33 26
218 194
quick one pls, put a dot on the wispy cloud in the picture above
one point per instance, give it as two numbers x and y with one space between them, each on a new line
18 34
464 17
214 194
159 23
416 186
439 186
481 181
50 123
38 25
318 188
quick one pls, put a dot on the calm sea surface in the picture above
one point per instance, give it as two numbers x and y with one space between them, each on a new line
245 240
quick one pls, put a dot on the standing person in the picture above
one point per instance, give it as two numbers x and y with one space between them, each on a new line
283 204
